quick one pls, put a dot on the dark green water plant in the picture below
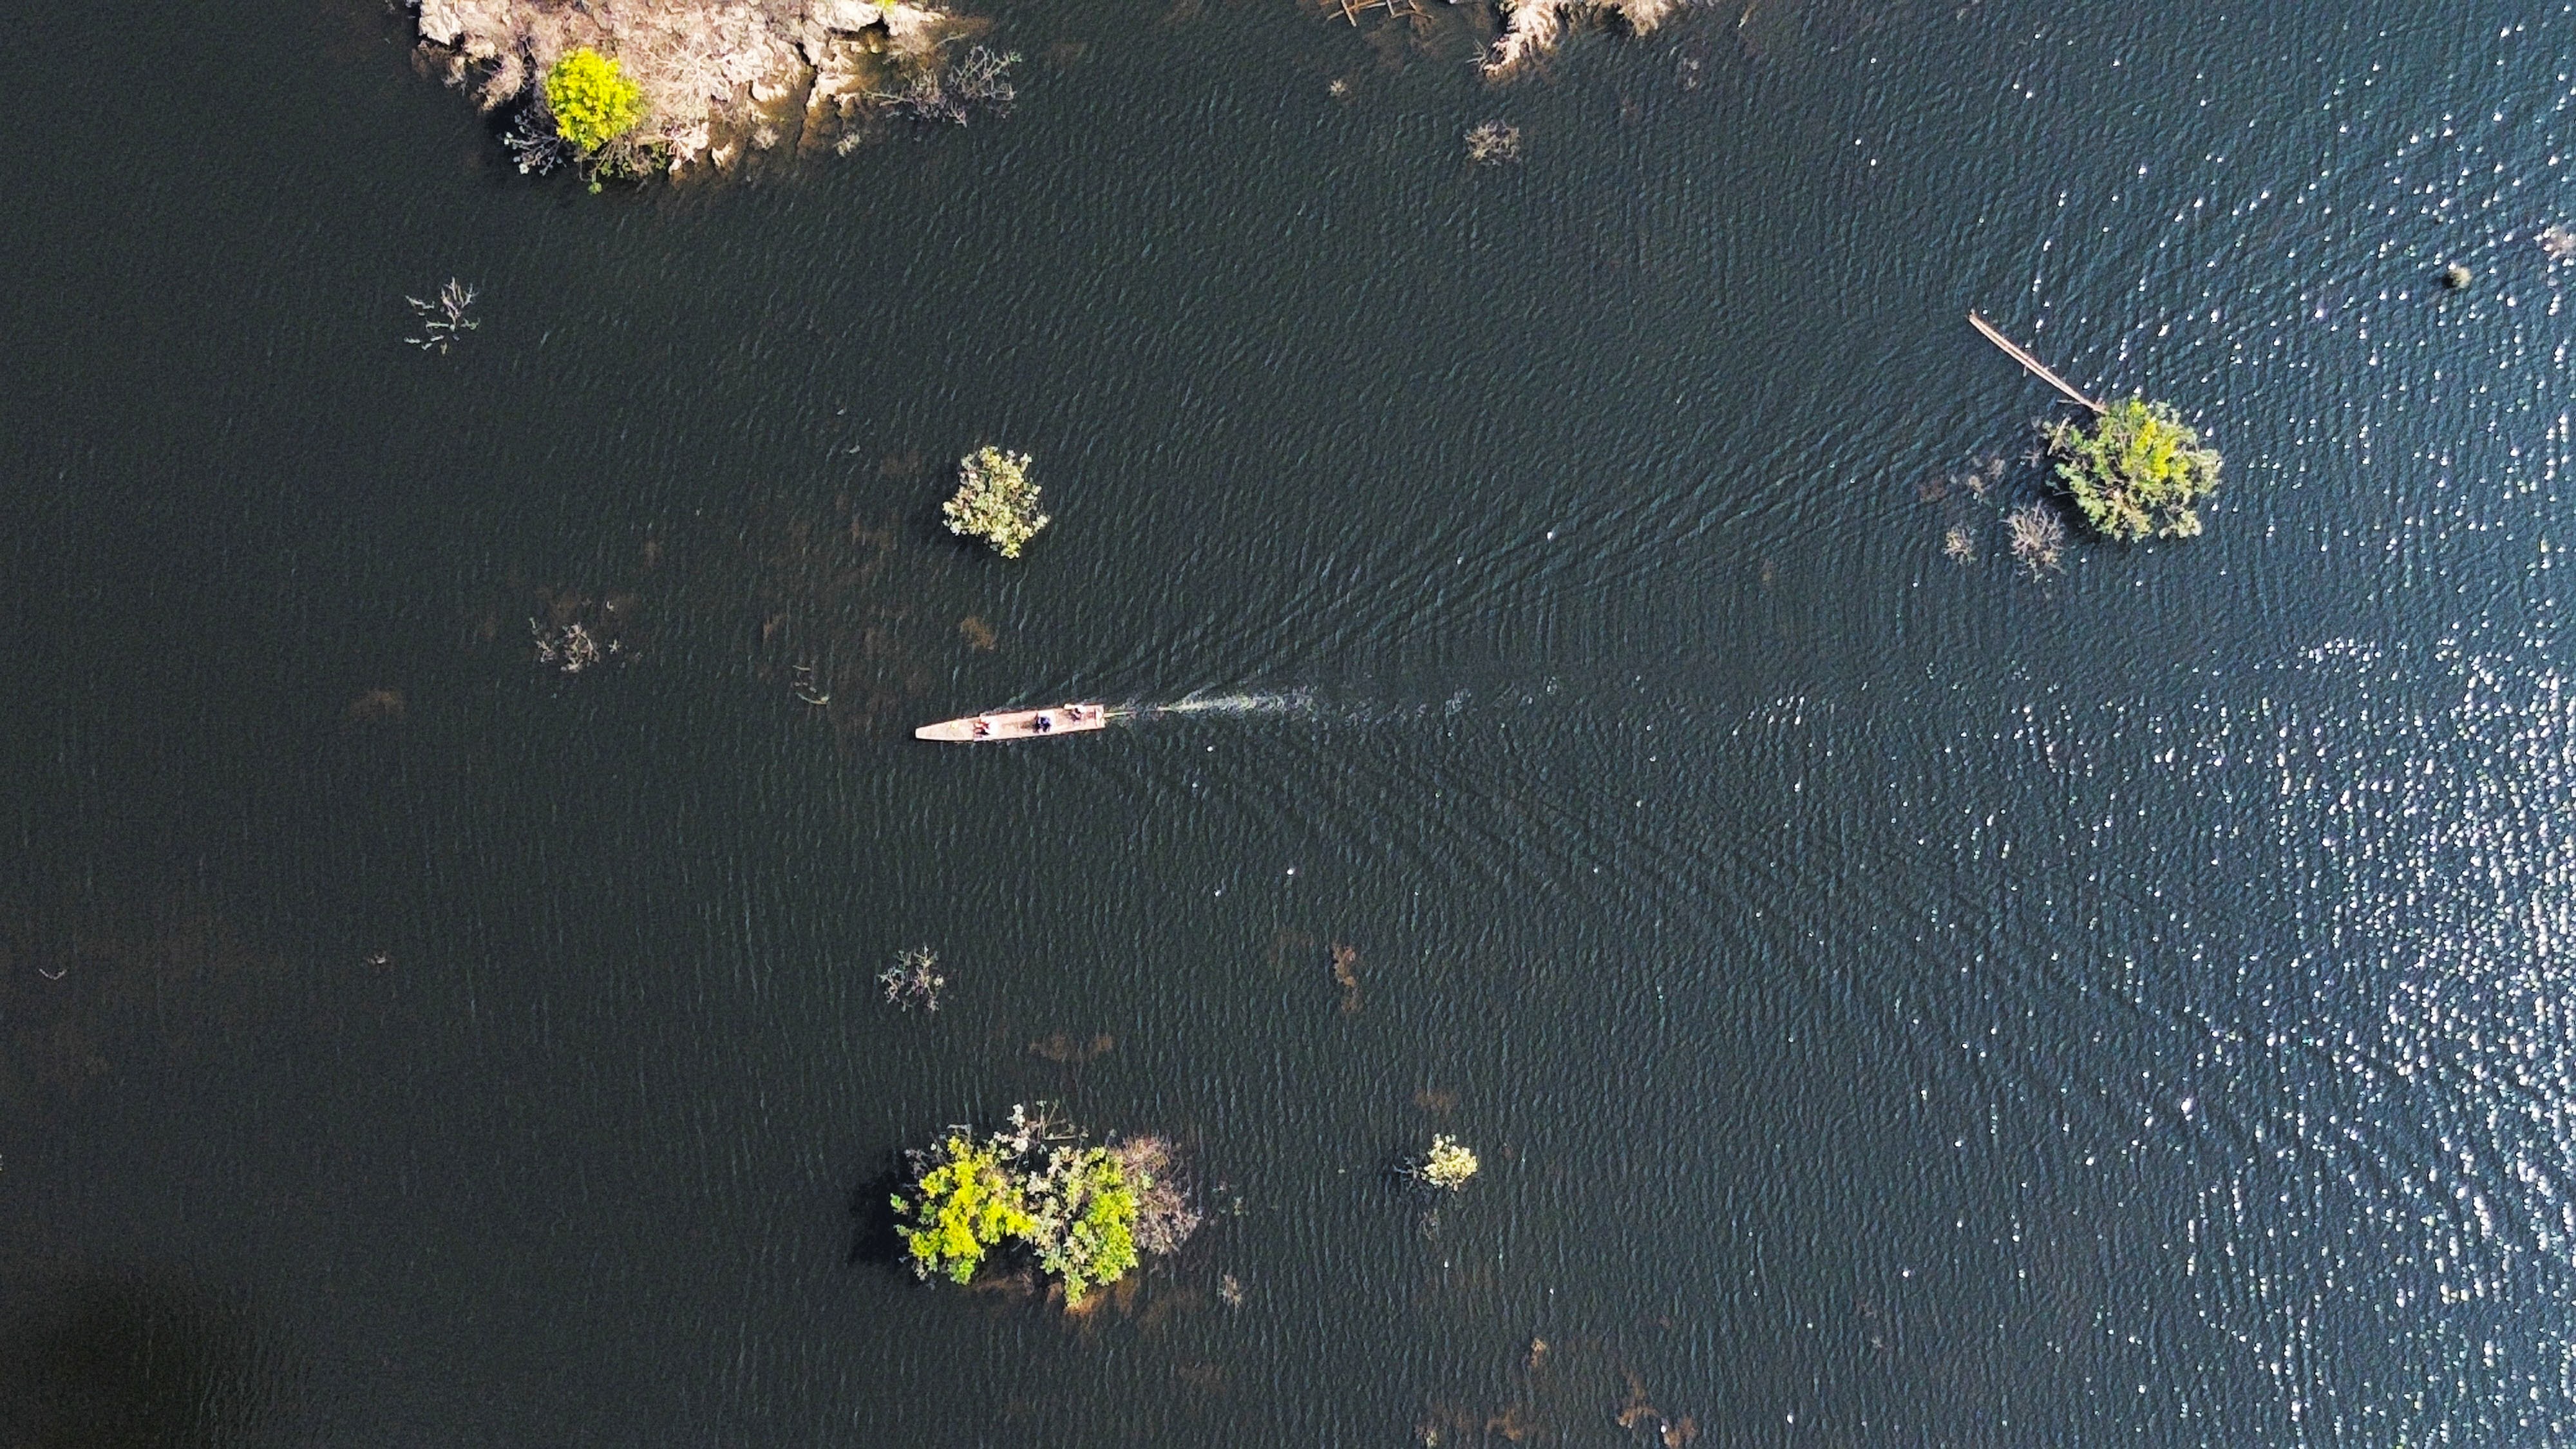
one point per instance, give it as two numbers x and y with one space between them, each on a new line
2138 470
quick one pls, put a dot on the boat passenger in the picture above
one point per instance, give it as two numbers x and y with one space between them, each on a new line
1045 723
983 727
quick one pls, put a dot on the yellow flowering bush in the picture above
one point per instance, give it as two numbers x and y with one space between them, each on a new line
963 1204
592 100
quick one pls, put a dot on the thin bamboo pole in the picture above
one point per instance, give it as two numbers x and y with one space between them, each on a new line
2033 363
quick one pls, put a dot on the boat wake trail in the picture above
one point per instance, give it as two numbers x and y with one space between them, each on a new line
1292 702
1305 704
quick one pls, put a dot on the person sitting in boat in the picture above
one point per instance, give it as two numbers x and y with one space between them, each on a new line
1074 713
1045 722
983 727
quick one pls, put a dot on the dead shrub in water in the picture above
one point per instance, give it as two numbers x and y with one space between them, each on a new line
1164 1217
913 979
1493 143
2038 538
444 320
980 79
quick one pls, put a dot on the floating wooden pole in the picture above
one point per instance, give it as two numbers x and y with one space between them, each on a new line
2033 363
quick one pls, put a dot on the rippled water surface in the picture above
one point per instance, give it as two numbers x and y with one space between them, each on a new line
1898 1001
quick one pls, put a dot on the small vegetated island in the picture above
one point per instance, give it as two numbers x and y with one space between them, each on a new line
2137 471
1041 1200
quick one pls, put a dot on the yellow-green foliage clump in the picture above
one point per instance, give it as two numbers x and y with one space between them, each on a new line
963 1204
592 100
1448 1166
1085 1232
2137 471
995 501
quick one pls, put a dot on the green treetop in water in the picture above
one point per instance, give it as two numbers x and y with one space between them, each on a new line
592 100
1084 1204
2136 471
995 501
964 1203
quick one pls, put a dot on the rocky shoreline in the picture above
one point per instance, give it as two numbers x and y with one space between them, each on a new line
725 79
721 78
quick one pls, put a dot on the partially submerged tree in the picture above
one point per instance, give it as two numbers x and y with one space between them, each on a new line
1492 143
1447 1167
2137 470
1078 1212
1083 1218
966 1199
995 501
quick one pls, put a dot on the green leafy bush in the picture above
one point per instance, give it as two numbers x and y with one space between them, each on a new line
592 100
966 1201
1084 1209
995 501
2136 471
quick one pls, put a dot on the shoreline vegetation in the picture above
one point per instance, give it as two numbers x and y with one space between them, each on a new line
713 80
668 87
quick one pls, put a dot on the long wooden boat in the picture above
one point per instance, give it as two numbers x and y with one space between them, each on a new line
1017 724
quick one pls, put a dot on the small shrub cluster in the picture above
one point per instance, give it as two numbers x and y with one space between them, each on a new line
1078 1212
2136 471
591 99
995 501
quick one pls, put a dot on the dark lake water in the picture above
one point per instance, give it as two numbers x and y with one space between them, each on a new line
1898 1002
